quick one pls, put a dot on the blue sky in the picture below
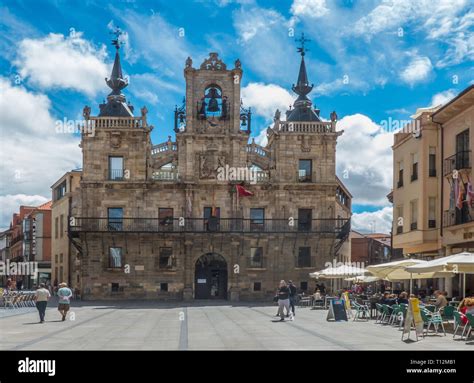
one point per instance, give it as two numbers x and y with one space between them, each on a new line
371 61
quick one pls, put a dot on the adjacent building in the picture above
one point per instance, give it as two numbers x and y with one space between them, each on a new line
208 214
31 242
64 262
433 197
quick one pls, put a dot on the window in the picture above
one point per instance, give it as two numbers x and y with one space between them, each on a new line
304 219
56 273
115 287
115 257
414 170
165 218
56 258
304 286
432 212
414 215
166 258
257 219
61 273
60 191
462 150
305 170
56 227
399 222
304 257
61 225
432 162
257 286
61 258
212 218
116 168
115 218
256 257
400 174
164 287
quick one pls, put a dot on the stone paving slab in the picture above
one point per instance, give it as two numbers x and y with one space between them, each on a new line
202 326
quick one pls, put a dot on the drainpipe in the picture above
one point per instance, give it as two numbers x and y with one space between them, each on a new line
442 176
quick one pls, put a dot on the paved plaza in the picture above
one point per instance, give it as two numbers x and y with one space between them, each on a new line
200 326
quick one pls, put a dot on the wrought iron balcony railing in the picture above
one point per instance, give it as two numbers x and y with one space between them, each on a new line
456 217
202 225
459 161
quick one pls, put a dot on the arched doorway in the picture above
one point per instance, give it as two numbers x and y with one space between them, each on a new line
210 277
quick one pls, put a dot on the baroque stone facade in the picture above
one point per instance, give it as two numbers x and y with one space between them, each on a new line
159 221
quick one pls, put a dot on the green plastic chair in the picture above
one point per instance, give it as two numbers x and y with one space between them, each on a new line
361 311
386 313
395 314
470 325
458 323
434 319
447 313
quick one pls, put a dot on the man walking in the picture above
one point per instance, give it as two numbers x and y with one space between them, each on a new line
42 296
292 289
65 295
283 301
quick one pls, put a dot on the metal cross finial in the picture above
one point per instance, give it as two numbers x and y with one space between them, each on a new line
302 40
117 32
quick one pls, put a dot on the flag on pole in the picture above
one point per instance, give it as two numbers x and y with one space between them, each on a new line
242 192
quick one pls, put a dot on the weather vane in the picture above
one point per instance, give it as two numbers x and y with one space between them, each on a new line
302 40
117 32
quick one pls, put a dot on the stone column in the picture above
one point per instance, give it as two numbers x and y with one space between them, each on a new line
448 286
188 293
235 268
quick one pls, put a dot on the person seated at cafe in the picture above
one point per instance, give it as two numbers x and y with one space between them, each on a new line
385 300
317 295
466 307
402 298
441 300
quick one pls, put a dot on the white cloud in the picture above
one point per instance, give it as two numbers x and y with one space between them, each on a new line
309 8
32 154
265 99
442 98
364 159
152 89
124 39
58 61
379 221
418 70
10 204
264 42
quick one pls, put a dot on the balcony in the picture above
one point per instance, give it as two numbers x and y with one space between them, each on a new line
116 175
456 217
166 175
256 263
202 225
459 161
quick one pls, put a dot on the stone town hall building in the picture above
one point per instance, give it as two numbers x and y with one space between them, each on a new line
164 222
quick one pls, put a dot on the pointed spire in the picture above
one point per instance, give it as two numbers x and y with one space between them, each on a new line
302 87
302 107
116 82
116 104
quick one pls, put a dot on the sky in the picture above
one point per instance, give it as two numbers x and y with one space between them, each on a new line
373 62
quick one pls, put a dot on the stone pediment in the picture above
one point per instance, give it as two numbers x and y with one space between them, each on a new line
213 62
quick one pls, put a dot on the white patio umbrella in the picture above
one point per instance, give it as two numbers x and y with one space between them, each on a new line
338 272
457 263
363 279
399 270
